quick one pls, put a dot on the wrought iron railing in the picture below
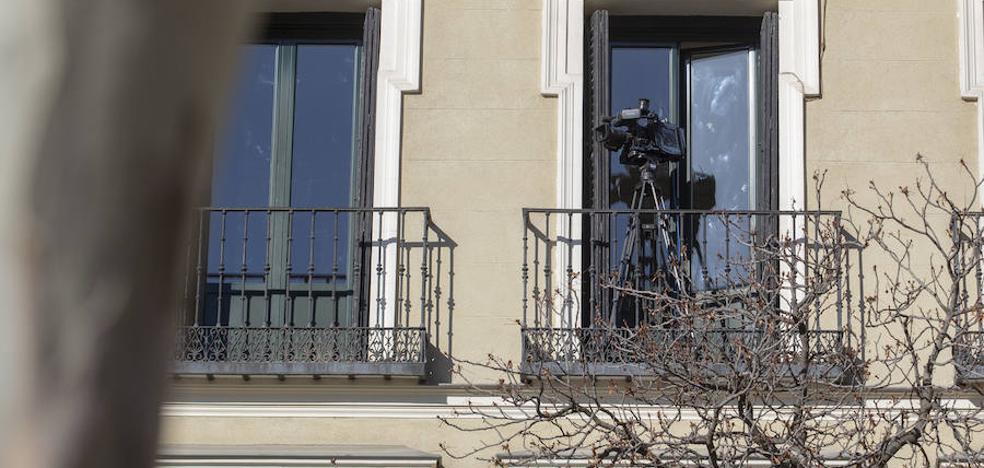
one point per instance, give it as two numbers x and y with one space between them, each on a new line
314 291
612 287
968 327
969 355
622 351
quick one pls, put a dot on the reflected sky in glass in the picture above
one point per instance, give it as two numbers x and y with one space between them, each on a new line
720 161
241 170
323 126
321 161
719 129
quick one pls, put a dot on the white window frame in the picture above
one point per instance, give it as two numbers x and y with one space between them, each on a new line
398 73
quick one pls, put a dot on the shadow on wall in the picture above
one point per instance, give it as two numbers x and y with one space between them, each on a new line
440 315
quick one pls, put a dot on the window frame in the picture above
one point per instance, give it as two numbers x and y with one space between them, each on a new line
606 32
657 31
287 31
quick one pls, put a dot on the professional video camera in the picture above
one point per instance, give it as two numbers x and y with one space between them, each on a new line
642 136
645 140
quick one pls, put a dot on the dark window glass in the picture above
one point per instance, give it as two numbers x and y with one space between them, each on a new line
718 173
250 252
639 72
323 155
324 105
241 172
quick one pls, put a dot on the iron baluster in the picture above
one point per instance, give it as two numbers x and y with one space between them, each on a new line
243 269
310 270
221 268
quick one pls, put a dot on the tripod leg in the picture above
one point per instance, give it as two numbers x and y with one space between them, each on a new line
628 250
669 243
625 262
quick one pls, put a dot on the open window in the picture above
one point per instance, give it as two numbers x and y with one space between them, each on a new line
716 78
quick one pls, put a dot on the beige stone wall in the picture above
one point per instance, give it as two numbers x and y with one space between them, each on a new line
890 90
479 145
419 434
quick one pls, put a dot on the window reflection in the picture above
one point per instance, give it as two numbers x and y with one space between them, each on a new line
242 164
718 173
720 158
323 149
252 253
241 171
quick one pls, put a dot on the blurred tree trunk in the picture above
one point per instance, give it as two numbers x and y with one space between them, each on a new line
106 116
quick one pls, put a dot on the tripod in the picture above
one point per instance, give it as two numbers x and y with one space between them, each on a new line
654 230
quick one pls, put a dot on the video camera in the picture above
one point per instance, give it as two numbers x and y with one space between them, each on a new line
642 136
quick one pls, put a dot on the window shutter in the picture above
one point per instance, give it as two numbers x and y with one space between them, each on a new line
768 164
367 106
767 196
597 93
596 171
365 164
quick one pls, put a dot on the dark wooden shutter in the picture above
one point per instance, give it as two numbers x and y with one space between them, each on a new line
366 165
598 96
767 196
596 176
768 164
367 107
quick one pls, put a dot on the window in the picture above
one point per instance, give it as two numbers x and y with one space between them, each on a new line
716 78
292 165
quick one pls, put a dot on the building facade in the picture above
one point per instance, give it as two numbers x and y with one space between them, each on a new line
405 185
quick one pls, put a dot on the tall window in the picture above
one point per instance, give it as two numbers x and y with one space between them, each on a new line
291 163
701 73
713 76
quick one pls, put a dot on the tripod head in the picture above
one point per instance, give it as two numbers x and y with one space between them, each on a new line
642 136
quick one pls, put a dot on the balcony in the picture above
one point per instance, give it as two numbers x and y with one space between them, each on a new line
678 292
287 291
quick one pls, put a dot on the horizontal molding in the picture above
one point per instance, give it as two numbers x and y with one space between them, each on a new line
287 462
458 407
282 455
587 462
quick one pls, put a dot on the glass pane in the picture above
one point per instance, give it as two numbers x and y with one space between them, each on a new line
237 248
321 174
323 155
721 158
241 172
639 72
720 129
